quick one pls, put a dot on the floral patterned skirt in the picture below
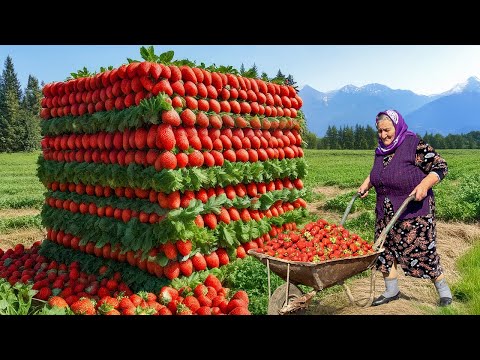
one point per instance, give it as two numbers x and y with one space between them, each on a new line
411 243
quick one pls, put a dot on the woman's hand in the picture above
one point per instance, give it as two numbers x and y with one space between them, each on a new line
420 192
363 189
426 184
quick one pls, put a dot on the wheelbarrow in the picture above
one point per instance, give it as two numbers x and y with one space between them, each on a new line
289 298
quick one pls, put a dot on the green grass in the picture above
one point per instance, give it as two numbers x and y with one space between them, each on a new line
19 185
466 290
20 222
458 199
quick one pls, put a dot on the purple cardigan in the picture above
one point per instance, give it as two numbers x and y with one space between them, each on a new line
398 179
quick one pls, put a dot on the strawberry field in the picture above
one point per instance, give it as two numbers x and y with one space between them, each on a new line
160 174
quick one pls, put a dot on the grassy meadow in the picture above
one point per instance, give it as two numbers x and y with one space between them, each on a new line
457 197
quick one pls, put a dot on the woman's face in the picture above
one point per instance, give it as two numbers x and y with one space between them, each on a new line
386 131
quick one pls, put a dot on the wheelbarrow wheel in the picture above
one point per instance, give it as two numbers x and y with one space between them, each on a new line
278 299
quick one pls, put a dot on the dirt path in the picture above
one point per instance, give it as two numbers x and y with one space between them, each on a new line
25 236
419 296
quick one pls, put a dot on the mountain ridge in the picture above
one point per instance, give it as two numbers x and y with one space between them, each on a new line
455 111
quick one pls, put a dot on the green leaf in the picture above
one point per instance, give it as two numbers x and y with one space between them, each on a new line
166 57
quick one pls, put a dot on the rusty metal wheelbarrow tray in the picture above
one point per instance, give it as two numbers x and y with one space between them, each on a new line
317 275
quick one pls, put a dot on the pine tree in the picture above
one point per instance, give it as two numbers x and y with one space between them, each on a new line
30 115
290 81
9 82
5 134
242 70
12 131
33 95
252 72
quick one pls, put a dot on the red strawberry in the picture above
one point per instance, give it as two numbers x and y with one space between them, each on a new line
215 121
167 294
176 73
188 74
239 311
204 310
217 80
198 74
155 70
182 160
234 303
215 106
186 267
57 301
230 155
167 160
240 122
162 86
184 247
255 122
132 69
201 90
188 117
83 306
140 137
171 117
198 261
178 89
195 158
212 260
147 83
170 250
199 290
202 119
165 137
172 270
218 156
228 121
210 220
164 311
242 295
223 258
241 253
181 138
224 216
234 214
174 199
242 155
187 196
213 281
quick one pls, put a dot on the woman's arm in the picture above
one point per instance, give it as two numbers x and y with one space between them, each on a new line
363 189
433 165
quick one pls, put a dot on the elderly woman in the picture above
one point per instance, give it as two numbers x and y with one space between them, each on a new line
405 165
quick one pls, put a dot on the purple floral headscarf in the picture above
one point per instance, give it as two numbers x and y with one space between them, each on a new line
401 131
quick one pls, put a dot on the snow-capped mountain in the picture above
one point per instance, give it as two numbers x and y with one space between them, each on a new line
471 85
350 105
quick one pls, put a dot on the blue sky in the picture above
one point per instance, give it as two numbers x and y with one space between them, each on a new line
423 69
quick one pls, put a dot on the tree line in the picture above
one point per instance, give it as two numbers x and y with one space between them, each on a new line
19 111
364 138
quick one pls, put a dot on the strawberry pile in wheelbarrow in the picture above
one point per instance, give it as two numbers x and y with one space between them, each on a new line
319 255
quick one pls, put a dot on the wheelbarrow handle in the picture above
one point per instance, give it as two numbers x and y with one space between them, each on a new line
349 207
383 235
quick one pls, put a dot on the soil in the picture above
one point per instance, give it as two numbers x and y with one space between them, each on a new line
419 296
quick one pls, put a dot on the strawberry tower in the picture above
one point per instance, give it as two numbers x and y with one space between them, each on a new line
164 171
